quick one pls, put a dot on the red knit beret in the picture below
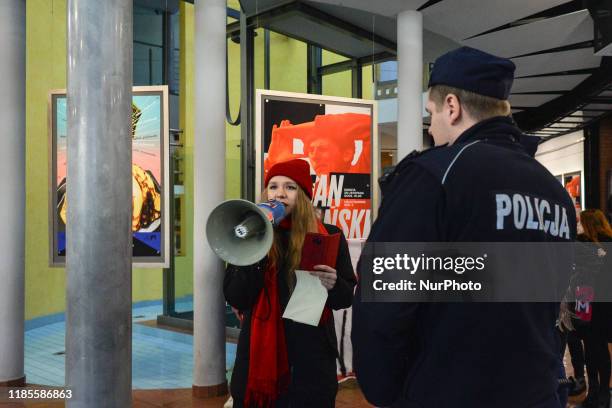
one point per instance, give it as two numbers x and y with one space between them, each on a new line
297 170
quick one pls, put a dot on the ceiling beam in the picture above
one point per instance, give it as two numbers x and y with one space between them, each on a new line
567 104
268 17
352 63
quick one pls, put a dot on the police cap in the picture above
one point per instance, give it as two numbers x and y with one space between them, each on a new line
474 70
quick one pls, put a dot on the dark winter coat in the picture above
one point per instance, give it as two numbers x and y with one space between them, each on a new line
602 311
312 351
461 355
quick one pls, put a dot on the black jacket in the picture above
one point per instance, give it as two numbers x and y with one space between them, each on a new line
597 272
311 350
467 355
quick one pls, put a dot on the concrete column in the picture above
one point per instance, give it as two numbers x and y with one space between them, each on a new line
409 82
99 188
209 191
12 185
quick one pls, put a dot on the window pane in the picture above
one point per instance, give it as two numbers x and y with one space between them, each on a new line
148 65
148 26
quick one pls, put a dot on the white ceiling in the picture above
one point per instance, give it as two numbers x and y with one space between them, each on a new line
573 119
529 101
541 35
389 8
543 72
601 106
548 83
561 125
460 19
556 62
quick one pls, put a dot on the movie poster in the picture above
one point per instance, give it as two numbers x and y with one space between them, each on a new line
337 137
572 184
149 176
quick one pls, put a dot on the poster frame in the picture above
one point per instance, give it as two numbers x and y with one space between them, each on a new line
262 94
608 199
161 261
580 174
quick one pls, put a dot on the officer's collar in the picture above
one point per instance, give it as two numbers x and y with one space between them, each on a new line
495 127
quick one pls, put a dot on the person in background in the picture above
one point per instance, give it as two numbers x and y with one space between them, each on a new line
598 332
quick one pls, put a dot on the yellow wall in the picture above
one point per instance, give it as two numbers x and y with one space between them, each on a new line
339 84
367 84
286 77
46 70
288 58
183 264
232 147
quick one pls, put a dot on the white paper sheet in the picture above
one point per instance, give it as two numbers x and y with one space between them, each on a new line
307 300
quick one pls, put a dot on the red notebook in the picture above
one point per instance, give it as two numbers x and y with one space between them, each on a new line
319 249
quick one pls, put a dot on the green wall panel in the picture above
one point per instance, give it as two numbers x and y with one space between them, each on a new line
46 70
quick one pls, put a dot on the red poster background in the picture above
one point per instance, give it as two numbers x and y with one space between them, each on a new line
338 148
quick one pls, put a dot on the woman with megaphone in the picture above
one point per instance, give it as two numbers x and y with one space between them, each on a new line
282 362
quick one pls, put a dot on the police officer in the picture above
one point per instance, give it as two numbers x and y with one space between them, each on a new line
464 355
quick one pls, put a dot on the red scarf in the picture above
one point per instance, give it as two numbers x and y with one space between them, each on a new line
269 374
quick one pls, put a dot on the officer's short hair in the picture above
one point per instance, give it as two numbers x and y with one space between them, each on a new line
479 107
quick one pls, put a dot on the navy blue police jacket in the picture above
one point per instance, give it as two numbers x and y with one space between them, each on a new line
462 355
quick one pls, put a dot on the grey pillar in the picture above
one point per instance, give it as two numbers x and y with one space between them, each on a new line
409 82
209 191
99 188
12 185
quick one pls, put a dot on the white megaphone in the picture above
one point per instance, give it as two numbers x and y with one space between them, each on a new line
240 232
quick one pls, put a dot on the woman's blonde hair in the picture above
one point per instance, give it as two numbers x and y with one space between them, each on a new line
303 220
594 223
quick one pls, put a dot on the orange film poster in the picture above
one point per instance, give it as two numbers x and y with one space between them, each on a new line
336 141
572 186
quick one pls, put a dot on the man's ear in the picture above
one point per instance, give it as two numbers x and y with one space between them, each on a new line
454 110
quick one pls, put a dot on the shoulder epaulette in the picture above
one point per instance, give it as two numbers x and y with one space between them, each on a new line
440 160
391 172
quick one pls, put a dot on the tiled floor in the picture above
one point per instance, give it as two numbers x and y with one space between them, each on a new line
574 402
160 358
162 364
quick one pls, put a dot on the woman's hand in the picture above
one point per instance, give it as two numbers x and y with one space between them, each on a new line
238 314
326 274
